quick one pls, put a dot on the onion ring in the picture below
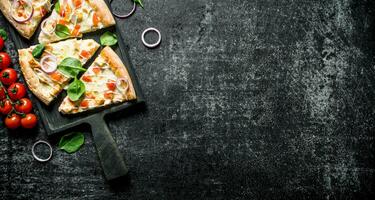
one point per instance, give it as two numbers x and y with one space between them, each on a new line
41 159
151 45
15 5
126 15
46 66
118 84
44 29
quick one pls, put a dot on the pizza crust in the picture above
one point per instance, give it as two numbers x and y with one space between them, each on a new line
115 62
26 30
103 12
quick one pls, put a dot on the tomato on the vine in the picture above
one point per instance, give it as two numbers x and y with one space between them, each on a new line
29 121
16 91
5 60
2 93
24 105
8 76
1 43
13 121
5 107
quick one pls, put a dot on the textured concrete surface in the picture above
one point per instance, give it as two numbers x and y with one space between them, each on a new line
254 99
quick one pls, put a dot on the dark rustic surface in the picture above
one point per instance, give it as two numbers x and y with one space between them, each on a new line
254 99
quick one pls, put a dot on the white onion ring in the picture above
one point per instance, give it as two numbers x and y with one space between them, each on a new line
44 30
46 67
118 84
28 17
126 15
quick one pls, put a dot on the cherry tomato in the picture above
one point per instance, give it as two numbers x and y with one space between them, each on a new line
16 91
2 93
5 107
5 60
29 121
8 76
24 106
111 85
13 121
1 43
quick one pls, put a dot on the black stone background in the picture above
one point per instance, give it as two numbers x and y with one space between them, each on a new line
246 99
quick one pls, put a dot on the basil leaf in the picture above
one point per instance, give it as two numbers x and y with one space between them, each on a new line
71 142
57 6
38 51
70 67
76 89
62 31
108 39
3 34
139 2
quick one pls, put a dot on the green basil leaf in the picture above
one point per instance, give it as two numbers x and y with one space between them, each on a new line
57 6
62 31
38 51
71 67
76 89
71 142
3 34
139 2
108 39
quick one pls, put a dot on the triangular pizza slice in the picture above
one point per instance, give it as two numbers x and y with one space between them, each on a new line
106 82
39 65
72 18
25 15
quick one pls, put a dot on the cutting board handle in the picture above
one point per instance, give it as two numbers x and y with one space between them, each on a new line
112 162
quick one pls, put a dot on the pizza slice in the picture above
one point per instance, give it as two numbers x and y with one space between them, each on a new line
39 65
72 18
106 82
25 15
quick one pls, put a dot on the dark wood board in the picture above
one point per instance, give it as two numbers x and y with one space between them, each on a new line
55 122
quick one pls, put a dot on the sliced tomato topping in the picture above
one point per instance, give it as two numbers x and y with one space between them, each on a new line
62 21
76 29
108 95
85 54
56 76
87 78
111 85
95 19
84 103
96 70
77 3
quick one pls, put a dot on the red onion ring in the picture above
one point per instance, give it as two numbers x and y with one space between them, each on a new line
46 67
44 30
126 15
13 7
118 84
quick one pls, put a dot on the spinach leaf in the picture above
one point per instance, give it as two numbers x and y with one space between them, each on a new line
76 89
139 2
108 39
72 142
71 67
57 6
3 34
38 50
62 31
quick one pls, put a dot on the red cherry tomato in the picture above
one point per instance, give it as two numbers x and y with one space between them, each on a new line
8 76
2 93
24 106
5 60
1 43
29 121
111 85
16 91
13 121
5 107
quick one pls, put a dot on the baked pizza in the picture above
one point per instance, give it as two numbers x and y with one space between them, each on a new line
40 65
72 18
25 15
106 82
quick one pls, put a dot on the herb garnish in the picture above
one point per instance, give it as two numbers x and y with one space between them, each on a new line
72 142
38 51
108 39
